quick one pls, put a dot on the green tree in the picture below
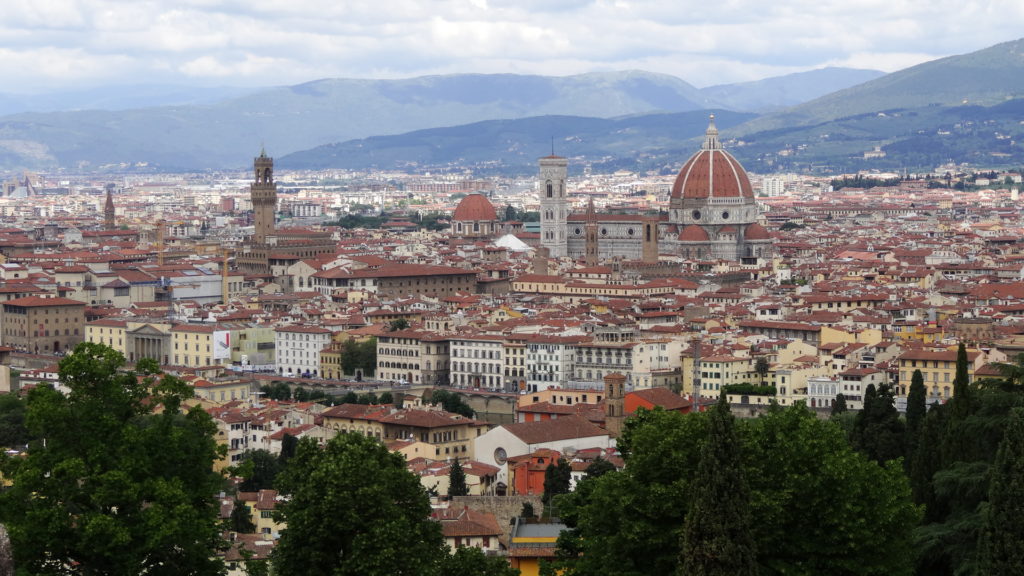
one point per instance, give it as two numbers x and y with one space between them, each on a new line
716 535
277 391
471 561
959 444
839 405
259 468
398 324
557 479
878 430
1002 543
761 368
13 431
527 511
350 397
114 488
599 467
241 519
927 460
359 356
1013 372
386 397
917 409
457 480
352 508
960 484
802 472
451 402
289 444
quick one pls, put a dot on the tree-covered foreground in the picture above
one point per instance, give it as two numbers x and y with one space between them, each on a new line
118 479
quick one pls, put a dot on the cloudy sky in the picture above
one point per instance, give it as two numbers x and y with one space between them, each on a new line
69 44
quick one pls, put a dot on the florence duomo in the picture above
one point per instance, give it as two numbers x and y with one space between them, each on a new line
712 215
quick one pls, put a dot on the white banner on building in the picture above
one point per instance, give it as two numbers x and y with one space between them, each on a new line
222 345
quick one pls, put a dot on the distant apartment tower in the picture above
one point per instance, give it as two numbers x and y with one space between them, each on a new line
772 187
554 206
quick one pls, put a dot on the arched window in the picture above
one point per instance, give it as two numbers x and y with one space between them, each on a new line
550 189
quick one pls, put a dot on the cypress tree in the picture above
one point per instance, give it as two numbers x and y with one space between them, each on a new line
717 537
926 461
457 480
839 406
557 479
1002 542
916 411
959 445
962 401
916 404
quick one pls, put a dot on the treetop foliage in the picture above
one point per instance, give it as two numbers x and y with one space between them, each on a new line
816 505
113 487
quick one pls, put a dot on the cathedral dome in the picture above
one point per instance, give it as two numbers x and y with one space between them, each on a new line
757 232
712 172
693 233
475 207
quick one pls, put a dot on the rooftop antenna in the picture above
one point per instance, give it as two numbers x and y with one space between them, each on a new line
552 145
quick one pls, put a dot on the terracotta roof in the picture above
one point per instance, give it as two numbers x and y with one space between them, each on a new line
693 233
40 301
663 397
757 232
466 522
475 207
553 430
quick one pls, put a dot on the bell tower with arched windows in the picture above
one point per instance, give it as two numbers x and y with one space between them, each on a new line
554 206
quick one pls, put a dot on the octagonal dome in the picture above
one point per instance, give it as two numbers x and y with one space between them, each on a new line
712 172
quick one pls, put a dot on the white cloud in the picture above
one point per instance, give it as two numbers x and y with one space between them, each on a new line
54 42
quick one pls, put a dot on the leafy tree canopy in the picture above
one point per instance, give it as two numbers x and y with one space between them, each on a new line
114 488
352 507
816 505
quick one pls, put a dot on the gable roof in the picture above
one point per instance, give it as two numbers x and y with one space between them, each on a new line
564 428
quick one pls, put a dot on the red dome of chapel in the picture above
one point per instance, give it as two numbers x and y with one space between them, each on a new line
475 207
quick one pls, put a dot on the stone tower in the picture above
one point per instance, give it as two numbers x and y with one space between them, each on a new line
263 193
554 207
614 403
108 209
590 228
649 246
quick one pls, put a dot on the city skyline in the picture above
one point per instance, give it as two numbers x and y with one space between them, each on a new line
57 45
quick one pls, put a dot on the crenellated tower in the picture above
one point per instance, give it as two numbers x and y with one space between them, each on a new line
263 193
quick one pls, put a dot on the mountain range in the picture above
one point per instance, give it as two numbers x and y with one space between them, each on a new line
224 133
962 110
959 109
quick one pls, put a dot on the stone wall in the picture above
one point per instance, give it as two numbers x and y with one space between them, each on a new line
504 508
